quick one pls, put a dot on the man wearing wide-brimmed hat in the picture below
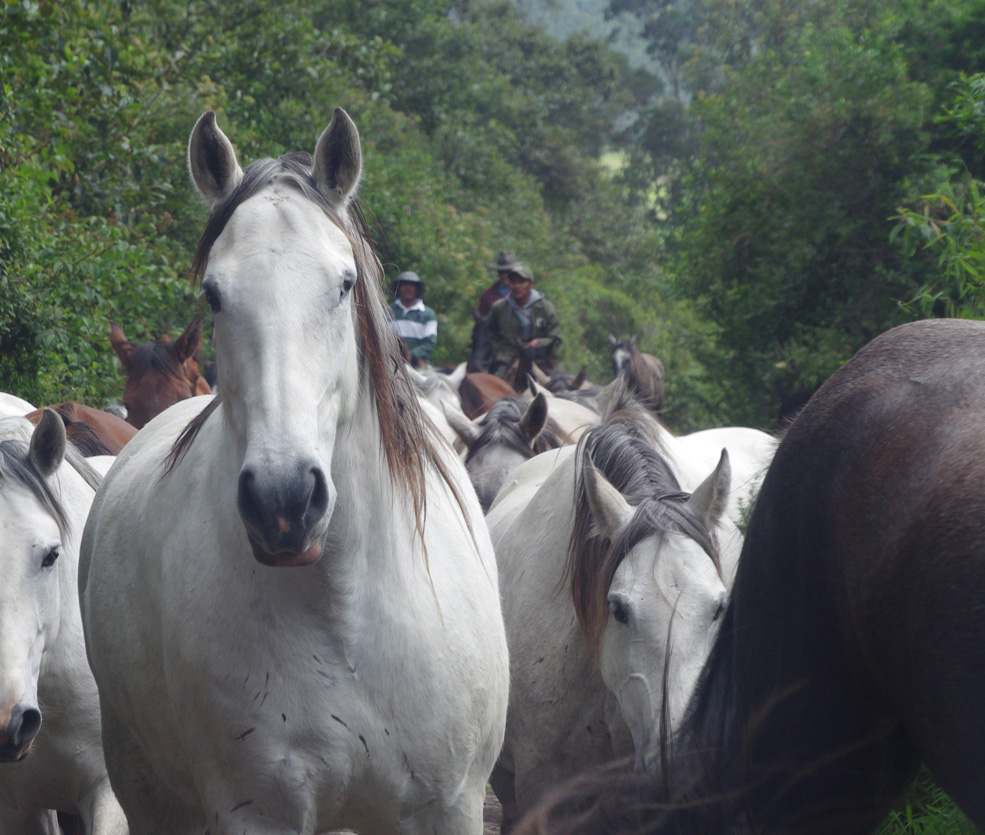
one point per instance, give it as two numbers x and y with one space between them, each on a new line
524 324
413 321
492 294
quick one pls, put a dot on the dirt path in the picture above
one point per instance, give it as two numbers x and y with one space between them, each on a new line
491 815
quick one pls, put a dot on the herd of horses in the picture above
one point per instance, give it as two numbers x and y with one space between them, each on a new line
345 594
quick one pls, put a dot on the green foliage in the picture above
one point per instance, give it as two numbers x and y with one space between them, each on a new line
782 235
82 243
744 238
470 147
948 224
926 810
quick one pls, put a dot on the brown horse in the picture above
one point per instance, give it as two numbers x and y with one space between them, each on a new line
479 391
644 372
853 648
93 431
159 373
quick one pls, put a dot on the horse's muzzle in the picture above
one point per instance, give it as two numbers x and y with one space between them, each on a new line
285 516
23 727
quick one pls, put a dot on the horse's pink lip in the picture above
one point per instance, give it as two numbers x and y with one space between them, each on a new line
285 559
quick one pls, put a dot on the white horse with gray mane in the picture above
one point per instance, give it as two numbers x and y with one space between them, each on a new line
592 633
615 561
293 612
51 755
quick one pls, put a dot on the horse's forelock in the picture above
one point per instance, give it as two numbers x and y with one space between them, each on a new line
158 357
501 425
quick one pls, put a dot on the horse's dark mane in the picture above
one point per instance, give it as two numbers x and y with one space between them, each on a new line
618 401
501 425
86 440
407 435
622 450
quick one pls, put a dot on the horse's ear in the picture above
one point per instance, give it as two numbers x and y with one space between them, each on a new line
613 341
536 388
121 345
580 378
632 339
191 340
212 161
338 160
609 508
709 500
461 425
534 419
538 374
456 376
47 449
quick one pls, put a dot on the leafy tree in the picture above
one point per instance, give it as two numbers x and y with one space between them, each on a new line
468 151
81 242
950 223
802 159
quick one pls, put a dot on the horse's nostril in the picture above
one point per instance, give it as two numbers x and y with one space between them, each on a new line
318 503
24 726
249 505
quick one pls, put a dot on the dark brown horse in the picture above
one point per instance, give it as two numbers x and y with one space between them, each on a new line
853 648
643 372
93 431
160 373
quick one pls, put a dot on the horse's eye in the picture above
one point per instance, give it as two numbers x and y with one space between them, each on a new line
619 611
49 558
211 296
718 612
348 280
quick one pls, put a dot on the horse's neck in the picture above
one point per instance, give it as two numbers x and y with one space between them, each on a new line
371 519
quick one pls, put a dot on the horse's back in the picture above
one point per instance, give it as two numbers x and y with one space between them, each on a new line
479 390
523 482
93 431
750 452
13 406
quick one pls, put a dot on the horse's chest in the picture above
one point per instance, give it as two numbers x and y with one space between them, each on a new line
339 713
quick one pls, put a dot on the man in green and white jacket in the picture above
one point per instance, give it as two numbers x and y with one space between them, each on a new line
414 322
